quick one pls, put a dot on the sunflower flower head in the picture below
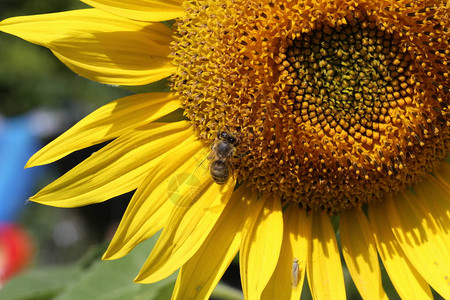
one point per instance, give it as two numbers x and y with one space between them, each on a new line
313 108
338 103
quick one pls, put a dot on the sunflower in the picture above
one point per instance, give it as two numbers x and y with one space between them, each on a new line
316 110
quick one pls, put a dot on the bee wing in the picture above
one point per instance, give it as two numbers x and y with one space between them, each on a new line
183 187
202 166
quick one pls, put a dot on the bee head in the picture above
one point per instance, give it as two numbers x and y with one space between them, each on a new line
228 137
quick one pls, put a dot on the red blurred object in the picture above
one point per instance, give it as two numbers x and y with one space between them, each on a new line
16 249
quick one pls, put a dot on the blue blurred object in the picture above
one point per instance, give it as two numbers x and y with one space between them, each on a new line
18 142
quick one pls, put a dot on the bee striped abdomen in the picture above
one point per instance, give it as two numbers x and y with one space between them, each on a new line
219 171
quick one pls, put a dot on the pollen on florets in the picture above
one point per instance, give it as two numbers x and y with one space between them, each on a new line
336 103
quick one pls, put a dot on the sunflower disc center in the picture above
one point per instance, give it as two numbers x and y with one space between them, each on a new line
344 81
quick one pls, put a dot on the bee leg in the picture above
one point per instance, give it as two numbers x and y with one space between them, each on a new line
243 154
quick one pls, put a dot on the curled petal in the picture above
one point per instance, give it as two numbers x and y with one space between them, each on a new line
100 46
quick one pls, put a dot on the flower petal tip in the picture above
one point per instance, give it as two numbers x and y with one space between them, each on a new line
107 256
32 199
34 161
110 254
29 164
140 279
136 280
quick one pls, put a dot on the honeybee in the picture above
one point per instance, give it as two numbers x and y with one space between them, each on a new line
222 150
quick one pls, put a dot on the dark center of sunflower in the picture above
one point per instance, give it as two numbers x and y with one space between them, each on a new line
346 80
336 106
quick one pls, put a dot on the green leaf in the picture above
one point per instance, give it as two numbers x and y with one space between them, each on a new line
111 280
39 284
91 278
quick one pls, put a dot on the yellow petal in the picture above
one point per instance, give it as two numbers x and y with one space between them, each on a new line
100 46
286 281
202 272
261 244
360 253
434 199
323 268
106 123
189 224
117 168
420 241
150 207
406 280
142 10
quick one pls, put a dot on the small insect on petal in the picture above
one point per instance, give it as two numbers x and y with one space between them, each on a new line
294 275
